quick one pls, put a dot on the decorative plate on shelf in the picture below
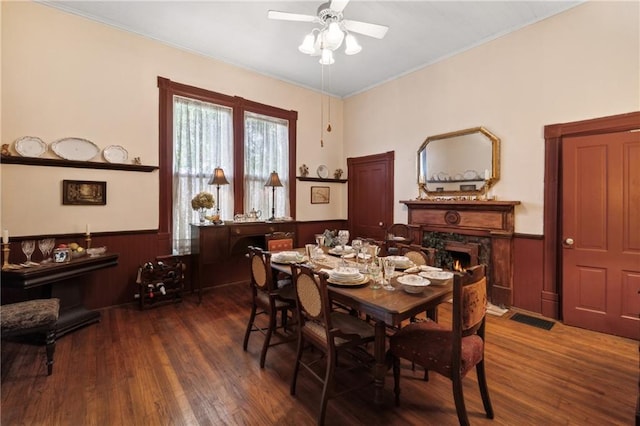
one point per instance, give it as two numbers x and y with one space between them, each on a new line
323 171
470 175
30 146
115 154
75 149
443 176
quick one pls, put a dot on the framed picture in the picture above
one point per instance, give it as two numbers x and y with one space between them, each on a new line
319 195
84 192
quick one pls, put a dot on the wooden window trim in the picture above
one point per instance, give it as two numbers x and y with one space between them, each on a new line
168 89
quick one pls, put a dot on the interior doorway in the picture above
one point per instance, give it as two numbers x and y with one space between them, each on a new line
370 205
592 277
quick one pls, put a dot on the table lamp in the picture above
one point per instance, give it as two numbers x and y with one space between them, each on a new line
273 182
218 179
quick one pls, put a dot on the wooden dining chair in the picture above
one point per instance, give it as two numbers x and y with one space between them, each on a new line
331 332
32 317
397 230
279 241
454 351
267 300
416 253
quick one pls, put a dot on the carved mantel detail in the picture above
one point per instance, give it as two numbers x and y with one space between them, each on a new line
489 219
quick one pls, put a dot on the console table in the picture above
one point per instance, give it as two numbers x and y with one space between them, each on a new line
218 251
64 282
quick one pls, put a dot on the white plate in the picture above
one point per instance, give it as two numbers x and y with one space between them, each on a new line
437 277
115 154
344 272
75 149
355 283
443 176
30 146
470 175
323 171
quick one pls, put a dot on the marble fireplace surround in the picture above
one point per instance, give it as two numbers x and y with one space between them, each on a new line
482 223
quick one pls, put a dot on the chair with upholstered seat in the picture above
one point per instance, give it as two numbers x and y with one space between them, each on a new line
397 233
268 300
32 317
454 351
331 332
279 241
416 254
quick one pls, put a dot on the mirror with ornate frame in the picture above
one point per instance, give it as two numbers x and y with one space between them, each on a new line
464 162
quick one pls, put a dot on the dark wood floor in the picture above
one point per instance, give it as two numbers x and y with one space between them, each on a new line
184 365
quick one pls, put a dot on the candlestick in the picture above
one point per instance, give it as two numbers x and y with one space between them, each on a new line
5 254
88 240
5 236
87 232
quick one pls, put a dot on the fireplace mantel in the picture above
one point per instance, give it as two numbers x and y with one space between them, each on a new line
489 219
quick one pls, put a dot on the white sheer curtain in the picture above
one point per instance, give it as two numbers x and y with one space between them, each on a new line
202 141
266 144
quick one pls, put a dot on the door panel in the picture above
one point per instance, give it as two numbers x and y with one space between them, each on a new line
370 208
601 205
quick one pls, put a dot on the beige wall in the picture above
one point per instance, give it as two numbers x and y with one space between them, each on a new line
69 76
581 64
64 75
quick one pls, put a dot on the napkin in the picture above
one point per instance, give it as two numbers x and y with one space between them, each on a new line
412 270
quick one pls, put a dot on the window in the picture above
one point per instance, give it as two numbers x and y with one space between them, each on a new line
201 130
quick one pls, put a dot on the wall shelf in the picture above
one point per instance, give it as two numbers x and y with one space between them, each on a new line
313 179
55 162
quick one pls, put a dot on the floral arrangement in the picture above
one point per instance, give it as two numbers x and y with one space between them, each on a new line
202 200
338 173
304 170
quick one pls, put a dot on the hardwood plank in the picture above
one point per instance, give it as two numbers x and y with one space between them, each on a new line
183 364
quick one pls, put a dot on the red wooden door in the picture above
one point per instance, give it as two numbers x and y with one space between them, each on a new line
601 232
370 208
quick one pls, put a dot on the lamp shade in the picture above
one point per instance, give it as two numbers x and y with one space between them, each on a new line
352 45
274 180
308 45
218 177
327 57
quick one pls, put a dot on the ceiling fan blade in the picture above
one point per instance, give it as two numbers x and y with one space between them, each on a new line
286 16
338 5
368 29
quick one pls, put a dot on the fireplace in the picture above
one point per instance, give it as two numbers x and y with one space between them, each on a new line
472 232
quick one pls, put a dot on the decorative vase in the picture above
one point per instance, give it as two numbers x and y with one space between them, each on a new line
201 215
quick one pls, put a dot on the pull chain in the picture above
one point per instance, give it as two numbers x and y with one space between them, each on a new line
329 102
322 106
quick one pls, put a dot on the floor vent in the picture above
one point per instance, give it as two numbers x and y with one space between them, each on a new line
536 322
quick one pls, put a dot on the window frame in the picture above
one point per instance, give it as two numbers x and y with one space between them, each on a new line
239 105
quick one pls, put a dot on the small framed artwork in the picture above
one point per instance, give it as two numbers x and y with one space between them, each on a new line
319 195
84 193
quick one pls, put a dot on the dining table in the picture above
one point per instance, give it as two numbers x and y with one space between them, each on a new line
386 308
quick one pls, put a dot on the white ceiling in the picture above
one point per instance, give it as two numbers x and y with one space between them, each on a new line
238 32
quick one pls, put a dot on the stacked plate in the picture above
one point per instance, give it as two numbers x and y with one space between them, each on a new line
402 262
338 250
346 276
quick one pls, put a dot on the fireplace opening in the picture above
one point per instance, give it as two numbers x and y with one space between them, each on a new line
465 253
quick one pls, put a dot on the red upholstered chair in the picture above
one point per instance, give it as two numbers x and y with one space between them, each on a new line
330 332
279 241
267 300
452 352
31 317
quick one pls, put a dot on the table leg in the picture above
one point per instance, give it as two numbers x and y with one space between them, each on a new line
380 369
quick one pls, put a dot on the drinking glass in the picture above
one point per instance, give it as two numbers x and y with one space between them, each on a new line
28 246
343 239
389 267
309 251
357 246
320 240
374 274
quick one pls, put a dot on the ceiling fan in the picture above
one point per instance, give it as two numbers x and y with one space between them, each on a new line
333 31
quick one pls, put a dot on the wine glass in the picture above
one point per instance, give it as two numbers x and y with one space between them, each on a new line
28 246
46 245
357 247
343 239
389 267
320 240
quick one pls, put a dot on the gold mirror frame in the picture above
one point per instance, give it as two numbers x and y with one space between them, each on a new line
427 179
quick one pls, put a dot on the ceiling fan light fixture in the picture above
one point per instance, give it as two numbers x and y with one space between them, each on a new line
351 45
327 57
333 35
308 44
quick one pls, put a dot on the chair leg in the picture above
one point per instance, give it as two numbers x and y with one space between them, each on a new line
396 378
327 388
267 338
296 367
252 318
484 390
51 348
458 397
